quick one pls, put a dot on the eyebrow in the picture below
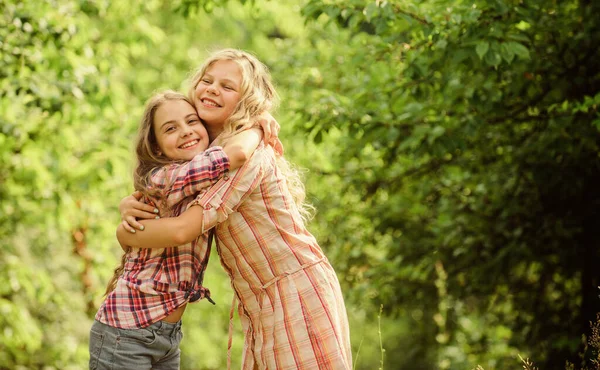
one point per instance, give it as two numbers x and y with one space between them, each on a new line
166 123
227 80
173 121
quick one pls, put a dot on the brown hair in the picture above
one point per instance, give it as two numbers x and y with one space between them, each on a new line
257 95
147 151
149 159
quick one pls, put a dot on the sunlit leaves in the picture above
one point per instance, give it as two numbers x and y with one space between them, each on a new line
477 86
457 133
482 48
55 62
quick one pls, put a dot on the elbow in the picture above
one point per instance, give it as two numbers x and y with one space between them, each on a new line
180 237
237 157
182 234
120 235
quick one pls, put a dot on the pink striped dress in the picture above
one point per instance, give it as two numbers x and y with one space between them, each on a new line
290 302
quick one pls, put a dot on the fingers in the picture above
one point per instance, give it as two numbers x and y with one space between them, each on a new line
132 210
144 210
134 214
135 204
142 214
267 131
131 224
277 146
275 127
127 226
130 206
272 127
134 223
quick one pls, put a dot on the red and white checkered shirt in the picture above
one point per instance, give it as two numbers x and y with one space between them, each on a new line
157 281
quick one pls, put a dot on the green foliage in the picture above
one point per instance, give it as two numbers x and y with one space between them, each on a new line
452 150
73 79
74 76
469 131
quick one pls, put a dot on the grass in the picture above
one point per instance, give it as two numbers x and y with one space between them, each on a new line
590 355
379 332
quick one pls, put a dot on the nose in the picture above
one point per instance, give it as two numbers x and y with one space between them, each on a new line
186 131
211 89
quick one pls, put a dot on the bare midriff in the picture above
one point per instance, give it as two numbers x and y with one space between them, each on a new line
175 316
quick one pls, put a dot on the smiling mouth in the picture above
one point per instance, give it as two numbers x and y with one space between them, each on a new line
210 103
188 144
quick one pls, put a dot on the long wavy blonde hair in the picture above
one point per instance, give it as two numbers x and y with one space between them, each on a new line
149 158
257 95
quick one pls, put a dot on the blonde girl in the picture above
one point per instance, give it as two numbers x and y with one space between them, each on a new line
138 325
289 298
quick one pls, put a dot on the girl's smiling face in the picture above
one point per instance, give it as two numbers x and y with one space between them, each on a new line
218 93
180 134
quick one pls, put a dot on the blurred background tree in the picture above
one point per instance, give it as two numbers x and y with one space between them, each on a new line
451 147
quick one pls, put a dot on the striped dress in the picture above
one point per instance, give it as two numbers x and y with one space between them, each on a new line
290 302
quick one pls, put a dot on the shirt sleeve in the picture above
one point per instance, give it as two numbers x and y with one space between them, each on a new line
182 180
230 192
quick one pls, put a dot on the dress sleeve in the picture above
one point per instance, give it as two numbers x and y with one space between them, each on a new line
182 180
230 192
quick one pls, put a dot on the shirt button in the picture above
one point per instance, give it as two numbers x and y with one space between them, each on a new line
225 177
207 207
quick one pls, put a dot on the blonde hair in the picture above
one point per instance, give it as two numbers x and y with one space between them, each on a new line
149 158
257 95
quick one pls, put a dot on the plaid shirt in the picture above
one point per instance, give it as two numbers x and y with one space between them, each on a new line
157 281
290 301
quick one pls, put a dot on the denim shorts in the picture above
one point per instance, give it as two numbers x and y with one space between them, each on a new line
153 347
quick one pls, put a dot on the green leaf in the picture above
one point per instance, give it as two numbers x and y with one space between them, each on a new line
523 26
436 132
333 12
493 58
371 11
519 50
441 44
507 53
517 37
482 48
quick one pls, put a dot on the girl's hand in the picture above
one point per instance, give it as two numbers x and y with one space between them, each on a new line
270 128
132 209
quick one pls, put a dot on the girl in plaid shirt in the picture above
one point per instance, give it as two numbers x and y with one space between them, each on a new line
289 298
138 324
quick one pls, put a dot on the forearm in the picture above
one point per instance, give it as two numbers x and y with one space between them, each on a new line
236 154
165 232
153 235
241 146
